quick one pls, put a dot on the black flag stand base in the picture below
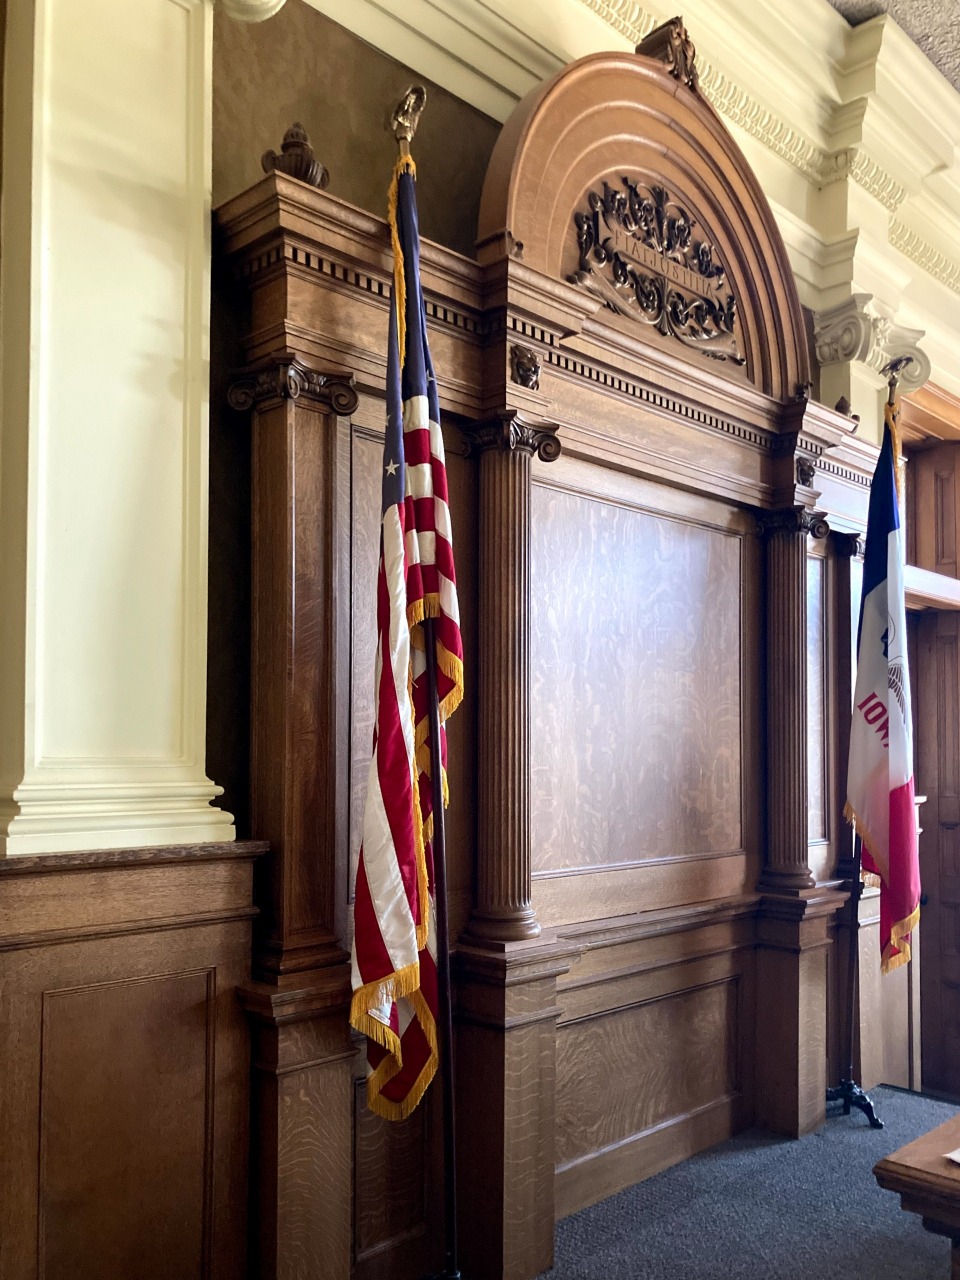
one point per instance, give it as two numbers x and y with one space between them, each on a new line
851 1095
451 1268
848 1091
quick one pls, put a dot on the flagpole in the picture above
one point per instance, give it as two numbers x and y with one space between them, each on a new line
848 1091
405 119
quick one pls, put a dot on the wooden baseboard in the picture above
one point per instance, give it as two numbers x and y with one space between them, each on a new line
602 1173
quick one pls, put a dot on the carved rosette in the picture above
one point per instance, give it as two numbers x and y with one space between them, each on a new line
639 255
292 380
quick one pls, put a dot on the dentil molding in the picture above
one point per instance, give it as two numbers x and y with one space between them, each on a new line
857 329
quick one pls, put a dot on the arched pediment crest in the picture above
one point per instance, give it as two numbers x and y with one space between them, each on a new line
618 176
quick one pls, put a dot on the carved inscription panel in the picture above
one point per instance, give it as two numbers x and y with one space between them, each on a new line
635 662
640 252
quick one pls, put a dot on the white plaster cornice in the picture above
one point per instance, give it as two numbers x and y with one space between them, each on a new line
913 246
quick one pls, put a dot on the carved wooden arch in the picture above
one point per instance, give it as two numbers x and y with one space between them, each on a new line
614 115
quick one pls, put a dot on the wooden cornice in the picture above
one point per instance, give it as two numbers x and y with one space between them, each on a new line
929 416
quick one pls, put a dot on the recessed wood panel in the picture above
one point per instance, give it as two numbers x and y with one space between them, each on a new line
366 466
635 742
390 1169
126 1129
622 1073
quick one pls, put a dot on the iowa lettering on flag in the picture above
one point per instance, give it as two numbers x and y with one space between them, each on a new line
394 948
880 788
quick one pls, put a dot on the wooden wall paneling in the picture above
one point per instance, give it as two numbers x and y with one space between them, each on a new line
654 1047
936 484
818 826
300 802
124 1055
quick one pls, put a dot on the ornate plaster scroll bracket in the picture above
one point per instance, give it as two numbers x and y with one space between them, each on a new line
287 378
861 330
511 431
296 159
670 44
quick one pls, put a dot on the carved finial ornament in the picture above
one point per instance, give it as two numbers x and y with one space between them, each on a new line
671 45
525 367
296 159
289 379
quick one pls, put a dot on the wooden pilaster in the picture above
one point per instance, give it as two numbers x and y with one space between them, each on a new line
792 927
298 1002
503 911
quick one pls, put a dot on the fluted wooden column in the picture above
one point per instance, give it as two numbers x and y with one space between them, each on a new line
507 974
298 1001
795 912
503 911
788 800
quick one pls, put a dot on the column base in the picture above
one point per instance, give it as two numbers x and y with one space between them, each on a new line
111 813
302 1139
518 926
506 1073
791 1057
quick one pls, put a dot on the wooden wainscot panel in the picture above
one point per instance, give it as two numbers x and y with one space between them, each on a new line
654 1045
124 1057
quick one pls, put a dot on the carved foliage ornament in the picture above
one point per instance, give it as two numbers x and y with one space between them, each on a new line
291 380
639 255
296 159
670 44
512 433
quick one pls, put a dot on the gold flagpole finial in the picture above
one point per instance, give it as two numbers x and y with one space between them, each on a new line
893 371
406 116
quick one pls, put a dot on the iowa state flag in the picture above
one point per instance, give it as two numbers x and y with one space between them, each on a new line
880 773
394 946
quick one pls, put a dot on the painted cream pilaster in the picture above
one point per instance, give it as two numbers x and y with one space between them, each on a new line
104 315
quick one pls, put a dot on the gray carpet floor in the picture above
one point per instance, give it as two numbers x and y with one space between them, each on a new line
764 1208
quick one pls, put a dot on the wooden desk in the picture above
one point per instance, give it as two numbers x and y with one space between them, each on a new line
929 1184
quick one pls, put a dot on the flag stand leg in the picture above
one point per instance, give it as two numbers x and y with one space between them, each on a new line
848 1091
451 1268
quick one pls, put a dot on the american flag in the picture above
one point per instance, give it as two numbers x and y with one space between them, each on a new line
880 791
394 947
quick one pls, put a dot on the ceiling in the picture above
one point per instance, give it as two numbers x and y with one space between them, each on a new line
934 25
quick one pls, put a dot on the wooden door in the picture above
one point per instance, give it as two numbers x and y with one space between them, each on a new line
938 778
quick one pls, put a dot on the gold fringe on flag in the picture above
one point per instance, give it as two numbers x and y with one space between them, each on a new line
891 414
405 164
390 1067
897 950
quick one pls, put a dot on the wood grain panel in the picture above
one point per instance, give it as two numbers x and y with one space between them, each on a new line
635 748
367 463
390 1162
816 702
623 1073
597 895
126 1128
